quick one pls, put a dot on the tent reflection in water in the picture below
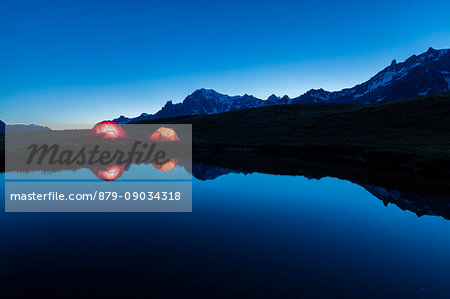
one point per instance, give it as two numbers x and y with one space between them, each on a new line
107 130
108 173
164 134
168 166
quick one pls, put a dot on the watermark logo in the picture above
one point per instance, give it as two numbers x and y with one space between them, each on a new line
142 166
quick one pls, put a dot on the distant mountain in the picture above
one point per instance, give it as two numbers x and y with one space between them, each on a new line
201 101
26 128
427 73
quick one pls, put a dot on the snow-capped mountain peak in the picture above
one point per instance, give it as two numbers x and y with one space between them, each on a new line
422 74
201 101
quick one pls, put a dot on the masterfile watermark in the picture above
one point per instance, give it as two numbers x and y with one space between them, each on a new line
109 168
141 152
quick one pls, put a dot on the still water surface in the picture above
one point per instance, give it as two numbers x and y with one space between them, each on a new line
254 234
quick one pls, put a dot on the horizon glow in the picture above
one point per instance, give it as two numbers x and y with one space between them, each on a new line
88 61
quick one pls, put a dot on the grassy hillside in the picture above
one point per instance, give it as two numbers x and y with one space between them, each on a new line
414 132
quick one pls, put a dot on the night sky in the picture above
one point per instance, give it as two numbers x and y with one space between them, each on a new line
85 61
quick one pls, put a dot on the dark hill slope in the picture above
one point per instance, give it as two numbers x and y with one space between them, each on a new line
410 131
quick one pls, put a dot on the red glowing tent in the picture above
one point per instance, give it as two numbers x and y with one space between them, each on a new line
107 130
168 166
109 173
164 134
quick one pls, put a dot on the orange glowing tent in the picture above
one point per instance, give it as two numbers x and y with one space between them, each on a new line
107 130
164 134
168 166
109 173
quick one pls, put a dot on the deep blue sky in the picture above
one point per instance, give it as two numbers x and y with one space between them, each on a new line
84 61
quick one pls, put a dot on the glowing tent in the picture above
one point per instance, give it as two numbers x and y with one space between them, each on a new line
168 166
107 130
164 134
109 173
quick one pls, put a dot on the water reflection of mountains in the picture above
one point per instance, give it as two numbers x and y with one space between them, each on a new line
422 196
407 190
419 204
